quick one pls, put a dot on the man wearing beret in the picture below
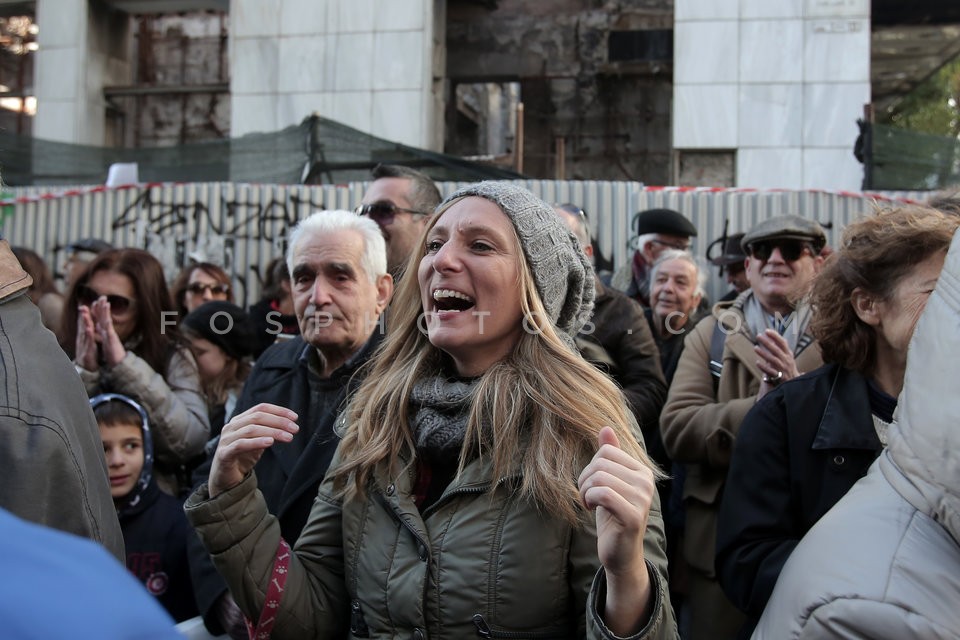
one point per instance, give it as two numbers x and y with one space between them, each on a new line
730 360
657 230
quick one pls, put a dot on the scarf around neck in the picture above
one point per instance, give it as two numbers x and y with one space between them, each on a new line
439 408
793 326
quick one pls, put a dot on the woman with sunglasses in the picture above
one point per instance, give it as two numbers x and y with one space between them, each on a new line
802 447
120 329
199 283
459 502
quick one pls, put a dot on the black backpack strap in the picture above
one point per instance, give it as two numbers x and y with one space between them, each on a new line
716 354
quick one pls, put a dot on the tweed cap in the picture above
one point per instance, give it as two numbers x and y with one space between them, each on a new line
561 271
788 227
666 221
225 325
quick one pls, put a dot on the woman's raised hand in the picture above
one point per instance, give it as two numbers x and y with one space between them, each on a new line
110 344
86 347
620 489
244 439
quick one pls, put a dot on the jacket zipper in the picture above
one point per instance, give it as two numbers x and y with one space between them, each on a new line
358 626
484 631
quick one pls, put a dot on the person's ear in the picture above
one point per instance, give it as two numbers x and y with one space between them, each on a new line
695 302
818 263
588 251
384 291
866 306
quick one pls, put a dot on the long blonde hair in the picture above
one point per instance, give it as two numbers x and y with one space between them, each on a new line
543 403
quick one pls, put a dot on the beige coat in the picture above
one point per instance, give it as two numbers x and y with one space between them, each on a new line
699 424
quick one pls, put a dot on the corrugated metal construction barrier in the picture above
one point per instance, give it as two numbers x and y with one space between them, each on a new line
243 226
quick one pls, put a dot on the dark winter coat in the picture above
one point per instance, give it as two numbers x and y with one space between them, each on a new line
799 450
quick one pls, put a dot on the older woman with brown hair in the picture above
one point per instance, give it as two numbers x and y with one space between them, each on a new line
803 445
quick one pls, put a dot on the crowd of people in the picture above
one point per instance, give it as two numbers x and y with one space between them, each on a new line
440 421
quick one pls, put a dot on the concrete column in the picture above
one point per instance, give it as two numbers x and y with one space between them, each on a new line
82 48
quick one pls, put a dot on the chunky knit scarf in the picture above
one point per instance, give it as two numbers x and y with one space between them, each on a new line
439 408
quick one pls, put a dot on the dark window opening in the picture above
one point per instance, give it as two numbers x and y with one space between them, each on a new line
650 45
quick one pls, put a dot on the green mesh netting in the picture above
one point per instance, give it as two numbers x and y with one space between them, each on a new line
317 151
902 160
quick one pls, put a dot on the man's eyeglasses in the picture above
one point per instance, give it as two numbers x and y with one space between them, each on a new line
198 288
118 304
680 246
383 212
791 250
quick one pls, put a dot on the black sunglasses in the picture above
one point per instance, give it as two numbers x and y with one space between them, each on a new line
383 212
791 250
118 304
198 288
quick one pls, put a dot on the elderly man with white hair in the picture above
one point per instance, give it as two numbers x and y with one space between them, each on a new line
340 284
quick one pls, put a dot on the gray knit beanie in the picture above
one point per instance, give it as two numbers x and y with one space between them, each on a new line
561 271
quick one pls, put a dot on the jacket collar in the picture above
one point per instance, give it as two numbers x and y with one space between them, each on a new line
13 279
846 421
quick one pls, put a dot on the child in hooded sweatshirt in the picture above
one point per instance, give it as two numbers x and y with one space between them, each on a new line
154 526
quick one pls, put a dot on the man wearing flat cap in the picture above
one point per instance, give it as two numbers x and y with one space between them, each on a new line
730 360
657 230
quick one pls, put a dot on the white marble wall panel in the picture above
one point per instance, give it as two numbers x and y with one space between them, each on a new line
830 113
705 52
353 108
753 9
770 168
399 15
254 65
353 61
253 18
58 73
705 116
771 115
768 50
346 16
836 8
400 61
303 17
302 65
831 169
398 116
836 50
61 23
56 120
292 108
705 9
252 114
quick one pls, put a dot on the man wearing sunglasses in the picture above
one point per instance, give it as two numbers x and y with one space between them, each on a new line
730 360
657 231
400 200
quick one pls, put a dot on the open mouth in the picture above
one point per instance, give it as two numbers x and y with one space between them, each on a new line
450 300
